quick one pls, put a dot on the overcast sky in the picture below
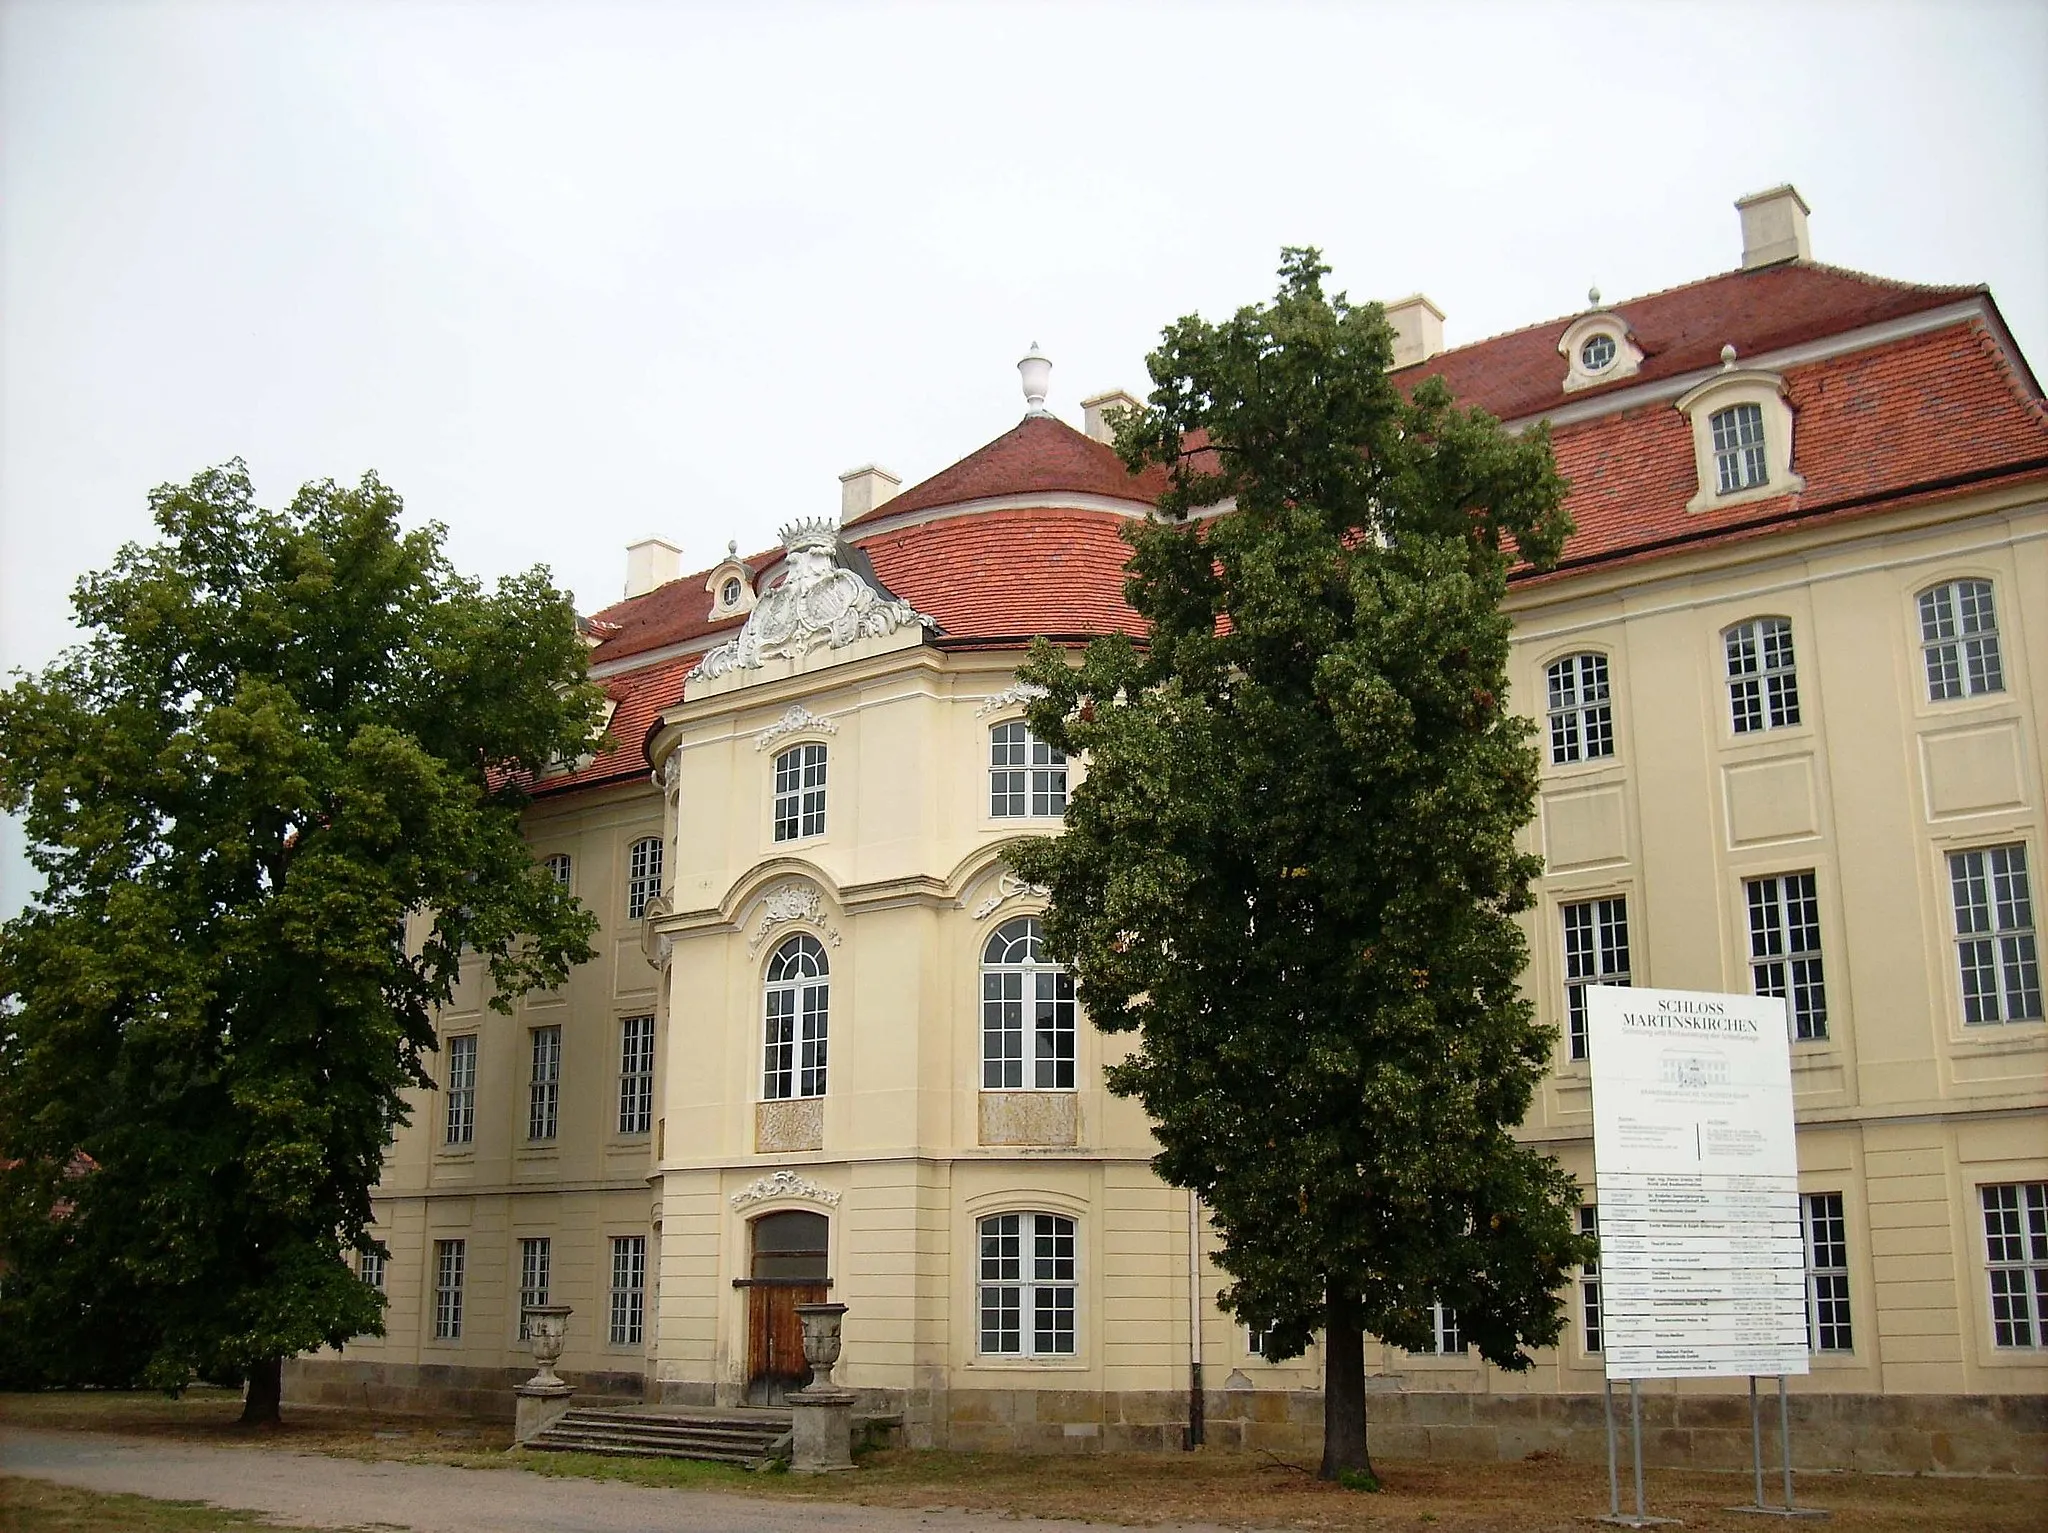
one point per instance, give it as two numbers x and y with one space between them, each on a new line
570 275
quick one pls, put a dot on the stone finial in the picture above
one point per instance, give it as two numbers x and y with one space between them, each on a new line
1035 369
1728 356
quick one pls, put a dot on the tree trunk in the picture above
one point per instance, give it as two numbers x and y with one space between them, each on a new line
266 1393
1343 1392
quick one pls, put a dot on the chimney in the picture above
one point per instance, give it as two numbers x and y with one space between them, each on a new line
1773 227
1095 413
1418 329
649 563
864 488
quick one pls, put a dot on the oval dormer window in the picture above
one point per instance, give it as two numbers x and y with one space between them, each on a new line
729 593
1598 352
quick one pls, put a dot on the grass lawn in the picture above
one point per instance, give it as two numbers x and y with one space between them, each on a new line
37 1506
1238 1490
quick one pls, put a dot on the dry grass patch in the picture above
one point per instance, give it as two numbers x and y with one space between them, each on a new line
37 1506
210 1416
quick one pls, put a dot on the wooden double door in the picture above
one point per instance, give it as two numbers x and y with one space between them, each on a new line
787 1268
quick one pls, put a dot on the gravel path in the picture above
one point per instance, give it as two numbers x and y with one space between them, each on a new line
320 1492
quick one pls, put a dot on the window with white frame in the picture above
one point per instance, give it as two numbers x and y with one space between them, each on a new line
1595 953
544 1084
1258 1340
1598 352
1827 1274
1740 462
1027 1012
1763 682
370 1268
1959 638
1581 714
448 1255
636 1075
536 1256
1027 1285
800 793
1589 1284
643 876
629 1290
2016 1254
559 868
1446 1337
797 1008
1026 777
460 1123
1995 951
1784 949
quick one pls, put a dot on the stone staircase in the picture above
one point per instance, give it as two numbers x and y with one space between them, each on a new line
751 1437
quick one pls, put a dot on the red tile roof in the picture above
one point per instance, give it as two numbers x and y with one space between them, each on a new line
1680 330
639 696
1039 455
1005 574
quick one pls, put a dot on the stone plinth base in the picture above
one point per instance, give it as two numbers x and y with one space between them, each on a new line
821 1433
540 1407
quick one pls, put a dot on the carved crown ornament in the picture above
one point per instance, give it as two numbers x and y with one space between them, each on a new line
817 602
796 718
787 904
784 1183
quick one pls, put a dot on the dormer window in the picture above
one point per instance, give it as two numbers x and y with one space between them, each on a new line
1597 349
729 593
731 586
1740 462
1597 353
1741 437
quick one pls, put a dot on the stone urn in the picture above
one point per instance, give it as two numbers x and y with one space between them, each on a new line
547 1327
821 1343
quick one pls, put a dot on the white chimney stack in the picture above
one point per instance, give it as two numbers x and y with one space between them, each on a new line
1773 227
1095 413
1418 329
864 488
649 563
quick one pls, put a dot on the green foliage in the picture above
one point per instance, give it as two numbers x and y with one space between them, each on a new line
275 793
1292 867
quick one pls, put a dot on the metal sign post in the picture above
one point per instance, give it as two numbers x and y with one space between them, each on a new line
1756 1455
1640 1518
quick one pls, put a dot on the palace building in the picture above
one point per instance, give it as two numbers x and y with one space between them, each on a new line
1790 676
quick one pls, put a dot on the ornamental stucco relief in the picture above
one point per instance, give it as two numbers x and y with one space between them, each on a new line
791 902
1008 887
1009 697
794 720
783 1184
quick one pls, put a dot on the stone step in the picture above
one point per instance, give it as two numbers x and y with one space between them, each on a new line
727 1437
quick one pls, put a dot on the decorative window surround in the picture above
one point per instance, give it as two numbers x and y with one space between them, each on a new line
1010 697
730 586
1739 386
784 1183
1008 887
1626 361
796 719
792 902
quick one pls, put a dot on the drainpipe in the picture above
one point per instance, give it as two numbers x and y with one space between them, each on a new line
1196 1422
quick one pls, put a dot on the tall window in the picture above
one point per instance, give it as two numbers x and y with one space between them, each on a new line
559 868
1827 1274
1995 949
1763 685
629 1290
1017 980
536 1256
1447 1339
636 1075
1258 1340
1026 777
1581 717
544 1085
461 1122
371 1269
1739 448
2016 1251
798 1005
1595 953
800 792
1784 949
1589 1283
1027 1285
1959 637
643 876
448 1290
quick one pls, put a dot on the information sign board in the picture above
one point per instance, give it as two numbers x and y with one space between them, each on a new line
1696 1176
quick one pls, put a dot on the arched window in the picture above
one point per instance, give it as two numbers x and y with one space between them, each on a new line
1027 779
1027 1284
1959 637
643 875
800 793
797 1003
1017 982
1763 685
1581 717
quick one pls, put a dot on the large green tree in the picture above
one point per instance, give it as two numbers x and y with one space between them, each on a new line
1292 867
274 794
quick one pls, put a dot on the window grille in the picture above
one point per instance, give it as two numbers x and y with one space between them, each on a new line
544 1088
1784 949
797 1006
2001 971
1595 953
1589 1284
1959 638
1016 976
2016 1254
636 1075
448 1290
461 1121
643 881
1827 1274
800 793
1763 683
1026 777
629 1290
535 1257
1739 461
1581 714
1027 1285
